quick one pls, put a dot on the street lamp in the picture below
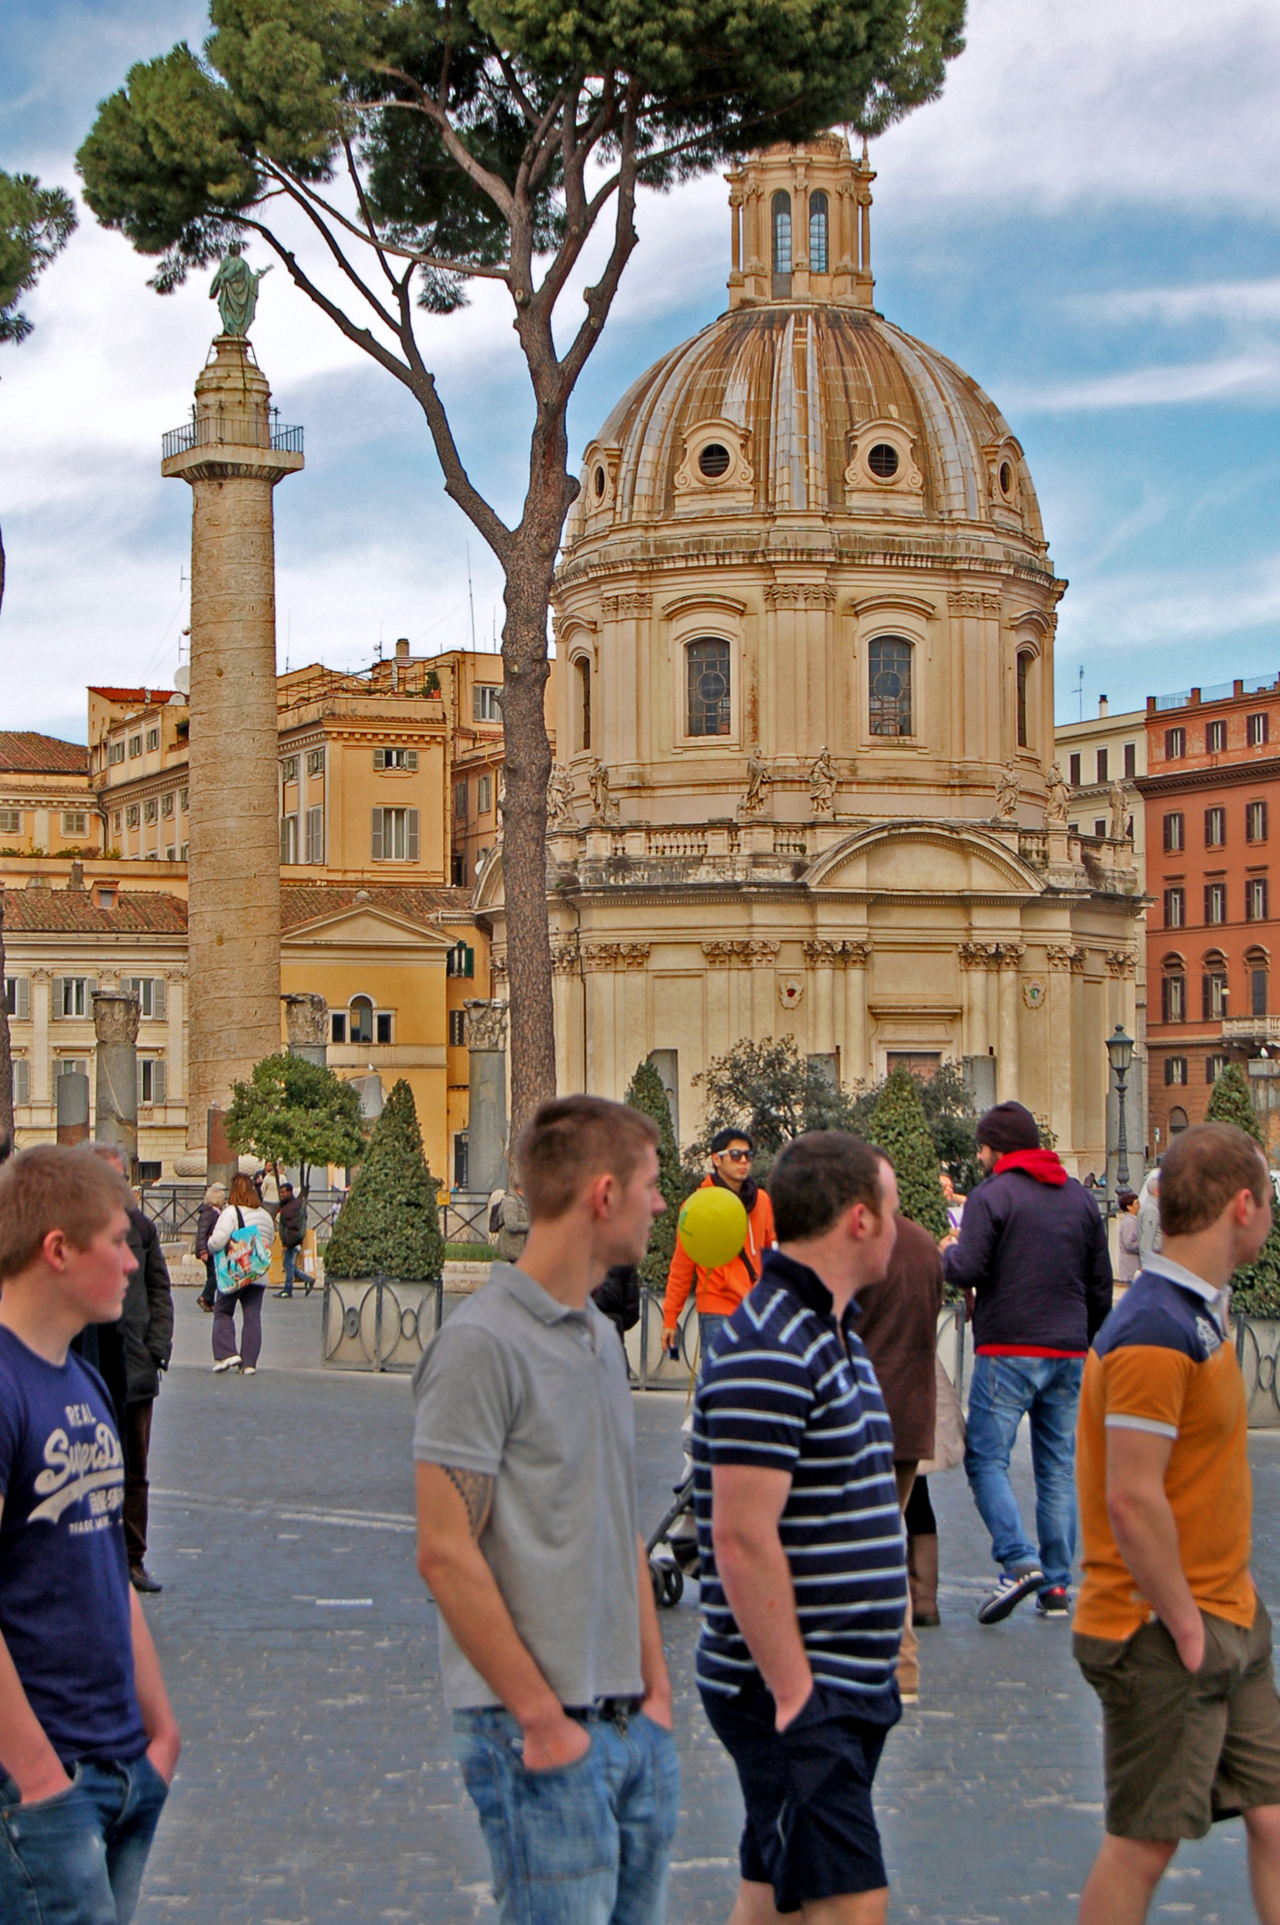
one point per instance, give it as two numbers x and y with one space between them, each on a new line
1120 1050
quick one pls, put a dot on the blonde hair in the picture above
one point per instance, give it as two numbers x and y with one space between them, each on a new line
50 1188
216 1193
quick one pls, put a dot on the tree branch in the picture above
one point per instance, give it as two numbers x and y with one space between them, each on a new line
489 183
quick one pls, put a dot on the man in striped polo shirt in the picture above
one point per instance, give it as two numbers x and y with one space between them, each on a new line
804 1573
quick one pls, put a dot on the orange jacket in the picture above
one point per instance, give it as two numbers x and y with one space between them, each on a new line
719 1291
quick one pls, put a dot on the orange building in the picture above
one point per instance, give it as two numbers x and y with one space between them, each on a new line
1211 794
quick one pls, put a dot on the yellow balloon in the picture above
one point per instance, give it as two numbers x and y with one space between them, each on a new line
713 1227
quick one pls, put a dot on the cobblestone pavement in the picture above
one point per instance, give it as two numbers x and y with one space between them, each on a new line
317 1783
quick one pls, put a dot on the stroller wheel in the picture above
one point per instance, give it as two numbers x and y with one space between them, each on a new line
658 1577
673 1586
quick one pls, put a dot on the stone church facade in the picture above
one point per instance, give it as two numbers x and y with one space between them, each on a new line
805 618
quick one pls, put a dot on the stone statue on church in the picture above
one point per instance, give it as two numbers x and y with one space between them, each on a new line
822 783
559 799
1119 813
235 289
604 805
1057 800
1007 793
759 781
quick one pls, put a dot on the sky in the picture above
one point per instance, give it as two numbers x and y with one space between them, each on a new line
1088 221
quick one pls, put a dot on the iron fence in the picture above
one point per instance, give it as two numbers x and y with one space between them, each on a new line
175 1207
379 1323
234 430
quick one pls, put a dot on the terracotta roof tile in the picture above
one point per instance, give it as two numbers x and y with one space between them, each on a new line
136 694
305 902
25 752
141 912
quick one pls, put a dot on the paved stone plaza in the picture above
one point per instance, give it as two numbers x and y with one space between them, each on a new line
317 1784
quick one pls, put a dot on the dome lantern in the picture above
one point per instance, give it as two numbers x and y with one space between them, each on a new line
801 226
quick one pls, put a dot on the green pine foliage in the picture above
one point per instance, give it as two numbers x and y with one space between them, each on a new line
646 1094
1255 1287
296 1115
899 1128
1230 1102
389 1226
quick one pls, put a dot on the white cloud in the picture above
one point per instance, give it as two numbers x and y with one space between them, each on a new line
1174 385
1231 301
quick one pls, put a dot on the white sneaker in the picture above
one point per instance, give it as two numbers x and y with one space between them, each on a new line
226 1363
248 1370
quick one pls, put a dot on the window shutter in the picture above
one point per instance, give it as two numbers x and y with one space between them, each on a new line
158 1094
469 960
55 1000
1205 996
284 838
22 1001
379 758
137 1071
377 835
411 835
21 1081
411 758
157 998
90 984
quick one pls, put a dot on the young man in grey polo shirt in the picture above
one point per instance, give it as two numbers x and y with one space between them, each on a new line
528 1537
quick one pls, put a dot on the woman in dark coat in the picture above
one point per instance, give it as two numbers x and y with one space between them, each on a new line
211 1209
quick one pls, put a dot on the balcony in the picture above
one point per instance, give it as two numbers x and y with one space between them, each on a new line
234 430
1251 1029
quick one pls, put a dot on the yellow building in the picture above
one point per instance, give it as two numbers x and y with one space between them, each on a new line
47 805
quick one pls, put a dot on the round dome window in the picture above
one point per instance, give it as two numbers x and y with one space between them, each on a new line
714 461
883 461
1006 479
599 482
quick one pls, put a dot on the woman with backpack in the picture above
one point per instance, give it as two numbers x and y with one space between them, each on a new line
240 1245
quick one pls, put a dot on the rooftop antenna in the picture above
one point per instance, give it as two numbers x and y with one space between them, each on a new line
1080 694
471 599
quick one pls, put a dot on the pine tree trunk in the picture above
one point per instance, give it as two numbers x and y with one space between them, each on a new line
527 755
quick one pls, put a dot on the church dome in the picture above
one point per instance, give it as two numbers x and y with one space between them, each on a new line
802 399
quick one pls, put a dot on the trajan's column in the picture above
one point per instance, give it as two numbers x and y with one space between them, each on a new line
233 457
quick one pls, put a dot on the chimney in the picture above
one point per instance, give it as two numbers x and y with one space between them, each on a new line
1103 708
76 879
402 649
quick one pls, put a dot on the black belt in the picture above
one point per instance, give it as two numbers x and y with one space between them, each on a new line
605 1710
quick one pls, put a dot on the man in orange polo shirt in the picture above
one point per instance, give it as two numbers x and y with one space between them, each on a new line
719 1292
1169 1629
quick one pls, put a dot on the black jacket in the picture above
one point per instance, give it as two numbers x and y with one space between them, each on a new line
291 1222
146 1323
1035 1256
209 1214
619 1297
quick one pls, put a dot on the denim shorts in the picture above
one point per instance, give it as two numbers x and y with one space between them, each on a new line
583 1844
78 1858
810 1829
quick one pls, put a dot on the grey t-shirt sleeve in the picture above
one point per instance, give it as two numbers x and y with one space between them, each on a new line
466 1397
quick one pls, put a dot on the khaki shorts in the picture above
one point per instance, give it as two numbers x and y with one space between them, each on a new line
1183 1749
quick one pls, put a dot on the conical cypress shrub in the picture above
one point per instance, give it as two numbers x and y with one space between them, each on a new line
389 1225
1230 1102
647 1094
898 1127
1255 1287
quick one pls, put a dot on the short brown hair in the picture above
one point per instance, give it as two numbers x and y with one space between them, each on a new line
816 1179
49 1188
244 1193
573 1138
1203 1169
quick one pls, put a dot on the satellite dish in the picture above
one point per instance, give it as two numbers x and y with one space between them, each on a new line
182 680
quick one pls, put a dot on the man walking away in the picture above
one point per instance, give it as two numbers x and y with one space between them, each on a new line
144 1336
291 1227
88 1741
804 1580
528 1537
1033 1249
1170 1631
898 1325
719 1292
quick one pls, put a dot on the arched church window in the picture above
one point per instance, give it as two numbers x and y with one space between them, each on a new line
709 687
890 686
1025 659
1177 1120
582 702
361 1029
782 243
818 224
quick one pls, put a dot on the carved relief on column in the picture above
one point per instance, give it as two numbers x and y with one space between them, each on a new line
725 954
618 607
761 955
828 953
968 601
564 959
486 1024
1010 954
1120 962
799 595
979 955
1065 956
597 956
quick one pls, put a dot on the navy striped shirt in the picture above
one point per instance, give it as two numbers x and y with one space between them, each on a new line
781 1391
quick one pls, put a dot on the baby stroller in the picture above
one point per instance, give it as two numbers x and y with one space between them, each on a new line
672 1547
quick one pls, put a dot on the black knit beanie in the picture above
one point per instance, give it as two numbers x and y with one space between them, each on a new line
1009 1127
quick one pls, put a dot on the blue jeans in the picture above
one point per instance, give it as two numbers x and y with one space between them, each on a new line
709 1322
1003 1391
292 1255
586 1844
78 1858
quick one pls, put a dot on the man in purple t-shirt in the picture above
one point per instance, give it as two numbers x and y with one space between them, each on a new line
88 1741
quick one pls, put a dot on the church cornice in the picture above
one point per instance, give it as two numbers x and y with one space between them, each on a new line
730 549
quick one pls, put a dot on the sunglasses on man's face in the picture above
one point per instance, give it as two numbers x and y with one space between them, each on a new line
738 1156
